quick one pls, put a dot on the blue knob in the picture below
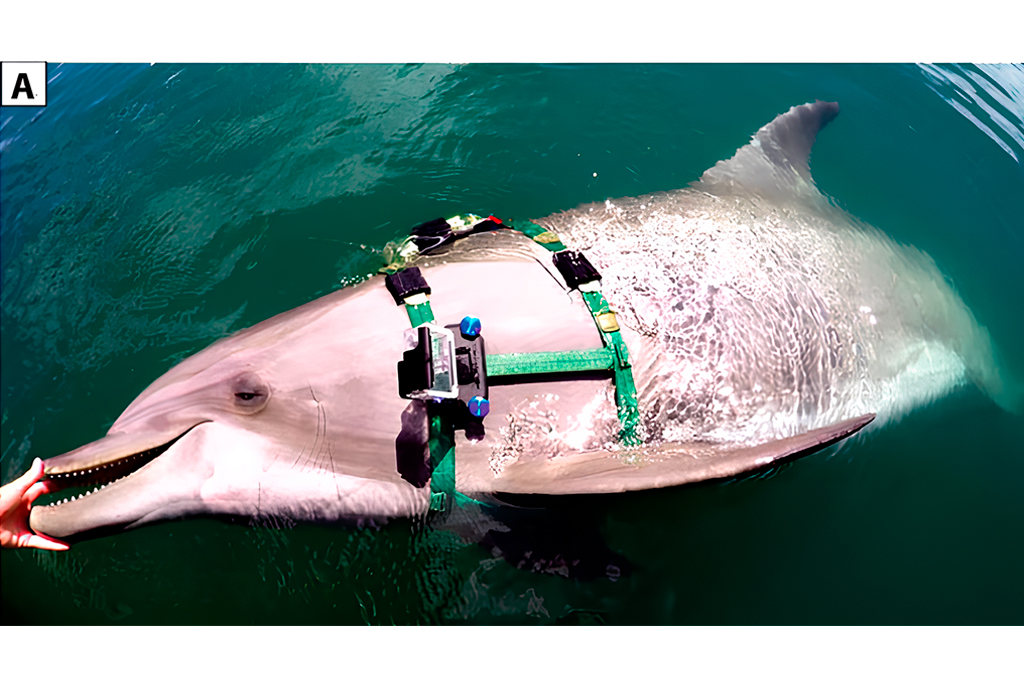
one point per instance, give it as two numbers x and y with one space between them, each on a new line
470 326
479 407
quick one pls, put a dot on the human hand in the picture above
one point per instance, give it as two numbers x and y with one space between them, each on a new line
16 500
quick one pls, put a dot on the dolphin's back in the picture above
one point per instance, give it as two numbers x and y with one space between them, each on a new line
764 310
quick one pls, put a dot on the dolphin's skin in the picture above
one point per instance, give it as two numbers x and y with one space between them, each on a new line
763 323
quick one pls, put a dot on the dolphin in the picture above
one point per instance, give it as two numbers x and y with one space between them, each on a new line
763 323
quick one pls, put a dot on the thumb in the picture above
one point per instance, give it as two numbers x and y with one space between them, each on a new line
18 486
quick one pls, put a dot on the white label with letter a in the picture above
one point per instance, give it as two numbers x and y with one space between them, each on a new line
23 84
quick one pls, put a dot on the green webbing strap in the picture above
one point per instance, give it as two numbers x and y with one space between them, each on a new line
625 389
613 356
442 459
419 314
546 238
511 364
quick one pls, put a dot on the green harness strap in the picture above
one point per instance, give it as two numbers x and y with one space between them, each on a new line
613 357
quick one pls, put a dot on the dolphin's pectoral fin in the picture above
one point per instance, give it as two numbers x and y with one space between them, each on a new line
776 162
663 466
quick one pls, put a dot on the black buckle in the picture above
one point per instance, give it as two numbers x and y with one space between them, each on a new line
406 283
575 268
488 224
432 234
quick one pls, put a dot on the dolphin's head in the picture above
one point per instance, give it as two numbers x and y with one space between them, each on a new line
239 428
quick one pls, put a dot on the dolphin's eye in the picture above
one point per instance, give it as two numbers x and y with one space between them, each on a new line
249 393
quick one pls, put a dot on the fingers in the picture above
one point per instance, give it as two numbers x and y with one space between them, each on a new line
18 496
37 489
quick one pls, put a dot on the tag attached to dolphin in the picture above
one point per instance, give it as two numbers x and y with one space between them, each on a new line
763 324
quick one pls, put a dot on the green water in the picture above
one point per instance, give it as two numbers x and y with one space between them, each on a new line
150 210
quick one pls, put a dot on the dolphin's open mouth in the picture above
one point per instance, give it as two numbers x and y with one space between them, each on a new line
79 483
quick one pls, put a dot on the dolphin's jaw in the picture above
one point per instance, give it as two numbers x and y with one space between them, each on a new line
90 486
91 479
99 477
107 473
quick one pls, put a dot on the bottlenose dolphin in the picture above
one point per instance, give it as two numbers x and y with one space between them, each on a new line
762 321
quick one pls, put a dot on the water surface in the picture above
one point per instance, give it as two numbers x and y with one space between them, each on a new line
149 210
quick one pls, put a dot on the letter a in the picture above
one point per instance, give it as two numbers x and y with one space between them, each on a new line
22 85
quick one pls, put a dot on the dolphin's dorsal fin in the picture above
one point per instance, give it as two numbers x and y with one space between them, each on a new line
776 160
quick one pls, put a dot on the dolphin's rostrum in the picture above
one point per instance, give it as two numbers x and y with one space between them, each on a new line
762 321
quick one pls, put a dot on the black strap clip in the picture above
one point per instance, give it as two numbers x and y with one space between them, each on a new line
575 268
432 234
436 233
406 283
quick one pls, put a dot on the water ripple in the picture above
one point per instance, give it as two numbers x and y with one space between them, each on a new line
986 93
